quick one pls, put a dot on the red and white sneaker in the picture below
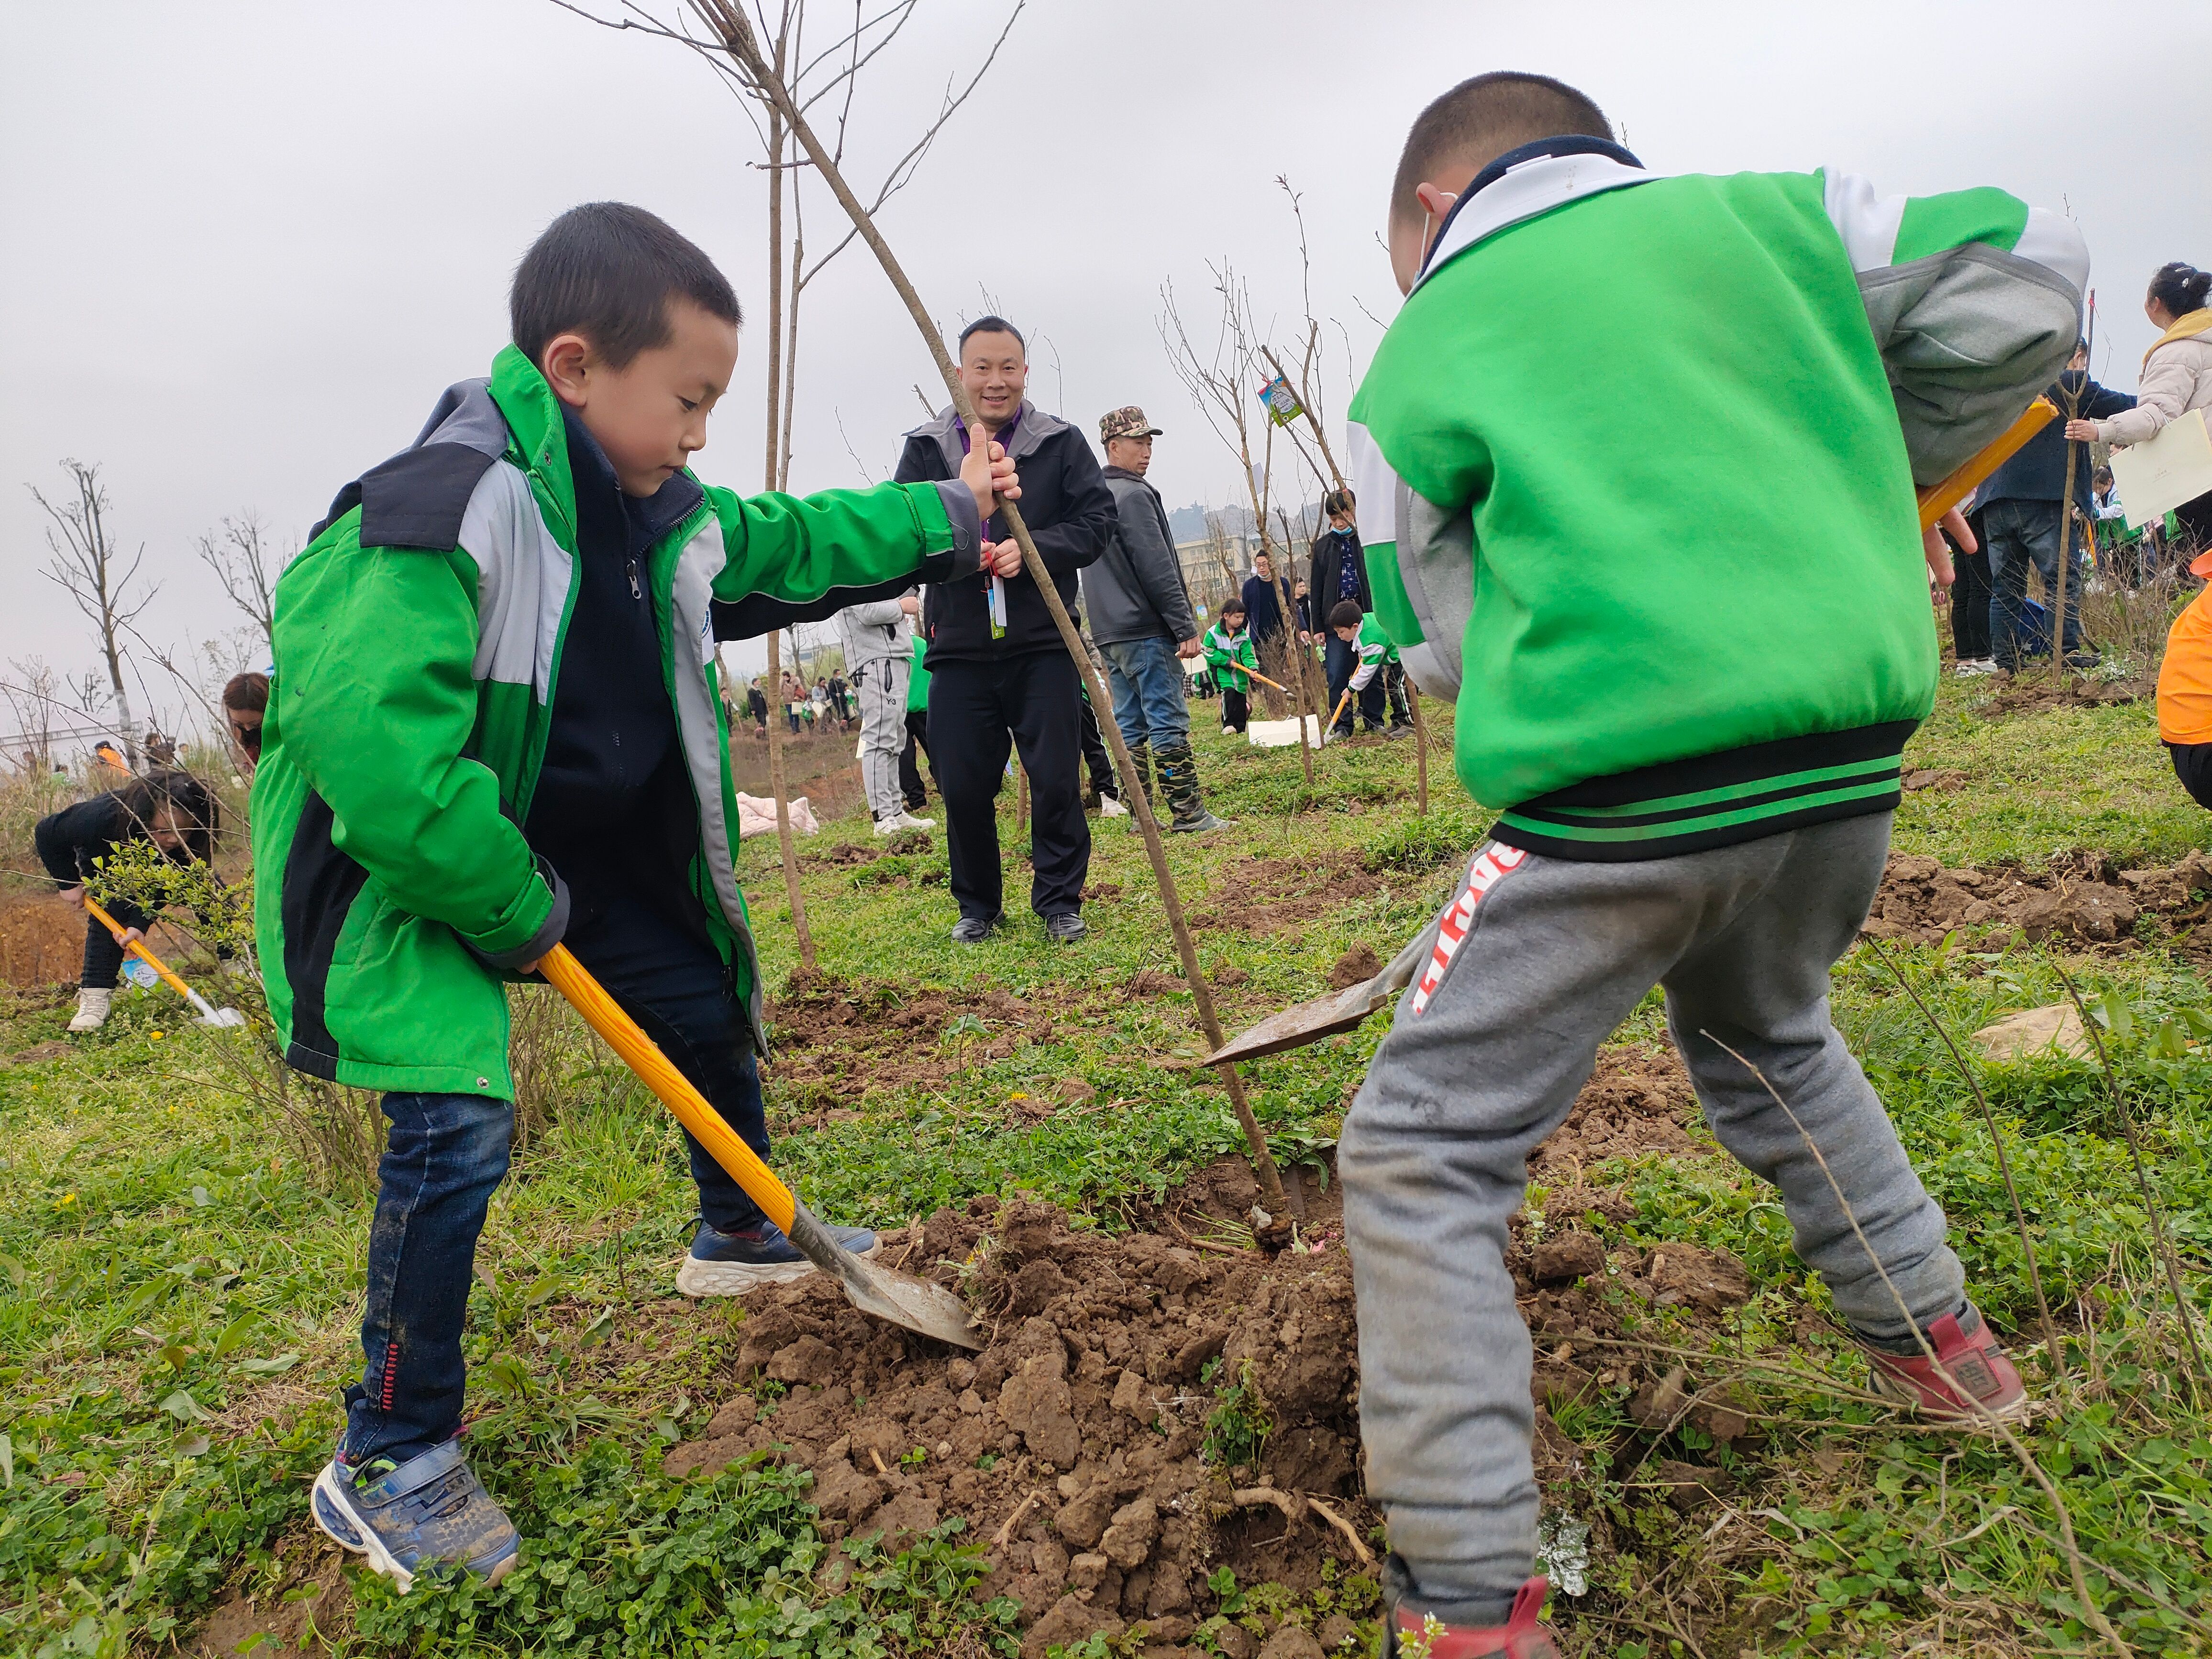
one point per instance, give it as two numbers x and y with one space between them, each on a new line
1422 1636
1987 1383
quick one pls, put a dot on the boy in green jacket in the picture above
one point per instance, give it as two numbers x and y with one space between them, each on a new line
495 724
1228 650
1695 741
1371 647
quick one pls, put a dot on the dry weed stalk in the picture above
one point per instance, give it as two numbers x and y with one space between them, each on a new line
2004 1161
2166 1258
2091 1614
735 30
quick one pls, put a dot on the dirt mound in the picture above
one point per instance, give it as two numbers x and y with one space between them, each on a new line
831 1036
1273 896
1355 967
41 940
1638 1101
1155 1406
1110 1446
2033 693
2085 897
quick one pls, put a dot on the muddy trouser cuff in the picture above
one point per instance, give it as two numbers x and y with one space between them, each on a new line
1539 961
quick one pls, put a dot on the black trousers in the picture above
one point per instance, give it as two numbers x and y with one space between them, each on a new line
667 975
1094 757
1236 711
2192 764
978 712
917 737
1970 605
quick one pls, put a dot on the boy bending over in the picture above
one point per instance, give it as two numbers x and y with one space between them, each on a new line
496 724
1696 742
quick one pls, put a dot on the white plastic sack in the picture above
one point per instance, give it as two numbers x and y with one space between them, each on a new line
1281 734
756 817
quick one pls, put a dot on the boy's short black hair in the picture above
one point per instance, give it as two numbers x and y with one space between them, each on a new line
1347 613
1339 500
607 270
1479 119
989 324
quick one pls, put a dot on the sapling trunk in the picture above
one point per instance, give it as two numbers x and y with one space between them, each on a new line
1420 747
730 23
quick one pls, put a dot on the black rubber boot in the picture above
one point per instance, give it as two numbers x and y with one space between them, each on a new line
1179 783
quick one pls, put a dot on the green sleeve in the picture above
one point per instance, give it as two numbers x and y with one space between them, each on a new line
377 702
787 554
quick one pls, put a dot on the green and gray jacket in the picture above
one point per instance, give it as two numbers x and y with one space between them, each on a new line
1229 655
417 646
1662 547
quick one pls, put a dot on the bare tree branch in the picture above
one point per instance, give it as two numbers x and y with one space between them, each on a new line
86 567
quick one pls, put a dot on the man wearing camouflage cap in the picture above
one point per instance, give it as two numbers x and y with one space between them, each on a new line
1141 616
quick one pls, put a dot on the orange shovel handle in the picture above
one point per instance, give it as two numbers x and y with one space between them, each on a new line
643 1056
137 947
1940 498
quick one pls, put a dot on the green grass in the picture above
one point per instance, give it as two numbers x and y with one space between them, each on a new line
177 1296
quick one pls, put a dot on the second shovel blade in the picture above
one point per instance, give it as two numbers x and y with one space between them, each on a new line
1308 1021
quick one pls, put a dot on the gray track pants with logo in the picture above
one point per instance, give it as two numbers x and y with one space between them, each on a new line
881 689
1538 960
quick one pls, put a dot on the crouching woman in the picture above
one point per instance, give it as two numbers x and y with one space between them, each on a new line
174 810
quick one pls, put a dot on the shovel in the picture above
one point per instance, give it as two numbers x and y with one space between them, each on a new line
137 947
1340 1010
900 1299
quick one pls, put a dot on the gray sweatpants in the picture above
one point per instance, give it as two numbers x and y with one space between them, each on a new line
881 689
1537 960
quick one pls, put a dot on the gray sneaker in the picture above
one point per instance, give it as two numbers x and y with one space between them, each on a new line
429 1511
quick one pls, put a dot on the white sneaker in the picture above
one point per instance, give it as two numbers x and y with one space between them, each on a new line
91 1009
1227 731
907 820
1974 668
1111 808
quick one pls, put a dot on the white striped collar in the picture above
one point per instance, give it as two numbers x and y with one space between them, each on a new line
1533 187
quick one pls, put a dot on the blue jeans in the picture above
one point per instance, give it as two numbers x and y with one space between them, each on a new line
2021 533
447 1153
1148 694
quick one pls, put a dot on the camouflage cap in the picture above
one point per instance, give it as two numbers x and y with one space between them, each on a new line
1128 421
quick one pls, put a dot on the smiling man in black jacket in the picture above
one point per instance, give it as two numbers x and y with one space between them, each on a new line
999 675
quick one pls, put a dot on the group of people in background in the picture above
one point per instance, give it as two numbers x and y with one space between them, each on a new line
974 672
2026 517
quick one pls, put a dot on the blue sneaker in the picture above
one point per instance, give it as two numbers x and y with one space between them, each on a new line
729 1264
426 1511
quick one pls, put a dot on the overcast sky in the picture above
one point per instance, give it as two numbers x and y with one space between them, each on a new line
246 245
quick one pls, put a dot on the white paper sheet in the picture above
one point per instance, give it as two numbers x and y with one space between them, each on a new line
2155 477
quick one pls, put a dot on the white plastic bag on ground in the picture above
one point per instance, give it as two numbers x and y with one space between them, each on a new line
1282 734
756 817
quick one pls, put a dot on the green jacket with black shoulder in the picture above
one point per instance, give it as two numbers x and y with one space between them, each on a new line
417 644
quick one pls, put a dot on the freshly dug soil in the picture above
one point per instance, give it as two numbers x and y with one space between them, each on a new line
41 940
847 1039
2085 898
1078 1444
2033 693
1254 894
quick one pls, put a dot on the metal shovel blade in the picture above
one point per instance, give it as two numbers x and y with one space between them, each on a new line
1340 1011
900 1299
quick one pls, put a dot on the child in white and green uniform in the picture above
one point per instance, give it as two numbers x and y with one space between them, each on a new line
1694 739
1371 646
1228 650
